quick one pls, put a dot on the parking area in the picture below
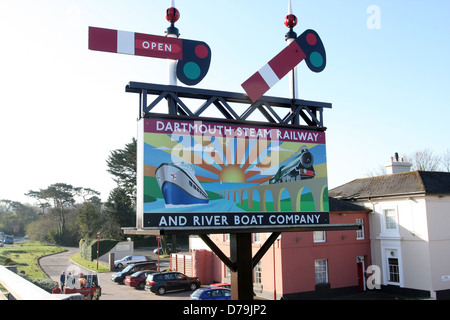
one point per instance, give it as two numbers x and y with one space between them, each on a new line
53 266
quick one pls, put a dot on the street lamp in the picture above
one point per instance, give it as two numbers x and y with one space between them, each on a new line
98 244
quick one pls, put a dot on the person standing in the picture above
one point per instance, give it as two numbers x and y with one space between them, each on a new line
62 280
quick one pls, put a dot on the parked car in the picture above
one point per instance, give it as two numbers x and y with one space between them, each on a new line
132 268
225 285
161 282
169 247
211 293
137 279
9 240
125 261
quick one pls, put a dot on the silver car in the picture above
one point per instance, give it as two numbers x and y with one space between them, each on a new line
125 261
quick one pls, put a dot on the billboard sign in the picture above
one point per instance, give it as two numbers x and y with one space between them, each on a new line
199 173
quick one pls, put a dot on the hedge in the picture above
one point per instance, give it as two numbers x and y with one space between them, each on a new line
88 248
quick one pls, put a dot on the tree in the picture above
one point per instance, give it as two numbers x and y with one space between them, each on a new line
42 203
424 160
14 216
378 171
87 194
44 229
119 212
88 220
446 161
421 160
122 165
62 196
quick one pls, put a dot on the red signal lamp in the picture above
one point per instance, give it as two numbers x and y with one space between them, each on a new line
290 21
172 14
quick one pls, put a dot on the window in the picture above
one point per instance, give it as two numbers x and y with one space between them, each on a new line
393 266
319 236
256 237
215 293
360 232
394 270
258 273
390 218
227 273
181 276
226 237
321 271
169 276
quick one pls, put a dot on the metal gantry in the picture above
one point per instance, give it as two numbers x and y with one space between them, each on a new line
273 109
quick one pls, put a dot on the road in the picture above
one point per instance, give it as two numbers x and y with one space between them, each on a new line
53 266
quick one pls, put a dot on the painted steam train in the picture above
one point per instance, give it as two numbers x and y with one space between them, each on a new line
298 167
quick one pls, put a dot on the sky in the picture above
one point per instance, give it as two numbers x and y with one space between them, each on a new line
63 108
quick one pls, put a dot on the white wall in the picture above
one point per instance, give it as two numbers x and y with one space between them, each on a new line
422 238
122 249
439 230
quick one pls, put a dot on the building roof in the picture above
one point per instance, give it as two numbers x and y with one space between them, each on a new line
400 184
337 205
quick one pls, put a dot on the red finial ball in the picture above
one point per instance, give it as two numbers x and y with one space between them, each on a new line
290 21
172 14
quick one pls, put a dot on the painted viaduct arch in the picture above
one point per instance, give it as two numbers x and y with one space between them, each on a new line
317 187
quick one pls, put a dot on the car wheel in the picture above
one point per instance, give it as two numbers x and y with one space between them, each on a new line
161 291
140 286
119 266
193 286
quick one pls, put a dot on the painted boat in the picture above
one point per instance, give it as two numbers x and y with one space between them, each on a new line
179 185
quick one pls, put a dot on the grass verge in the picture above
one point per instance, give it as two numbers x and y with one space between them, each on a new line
25 257
91 265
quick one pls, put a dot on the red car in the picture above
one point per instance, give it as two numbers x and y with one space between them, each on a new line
221 285
138 279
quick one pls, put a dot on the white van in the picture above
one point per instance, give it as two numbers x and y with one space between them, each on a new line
125 261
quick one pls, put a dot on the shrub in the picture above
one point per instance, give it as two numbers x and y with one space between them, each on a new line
46 284
88 248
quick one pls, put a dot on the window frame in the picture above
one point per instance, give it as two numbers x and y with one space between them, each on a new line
257 273
321 271
390 220
360 235
319 240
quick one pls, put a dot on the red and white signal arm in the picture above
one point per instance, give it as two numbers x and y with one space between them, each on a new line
134 43
308 46
194 57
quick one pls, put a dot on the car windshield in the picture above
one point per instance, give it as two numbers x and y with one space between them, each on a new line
136 274
197 293
128 268
154 277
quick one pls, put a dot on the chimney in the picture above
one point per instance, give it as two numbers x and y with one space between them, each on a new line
397 165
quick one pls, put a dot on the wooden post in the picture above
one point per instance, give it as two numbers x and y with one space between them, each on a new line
111 261
241 256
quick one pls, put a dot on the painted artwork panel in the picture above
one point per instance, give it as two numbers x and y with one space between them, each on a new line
201 173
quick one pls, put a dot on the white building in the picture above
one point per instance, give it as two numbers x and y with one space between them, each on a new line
409 227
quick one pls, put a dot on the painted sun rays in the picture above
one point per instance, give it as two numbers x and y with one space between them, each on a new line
225 159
